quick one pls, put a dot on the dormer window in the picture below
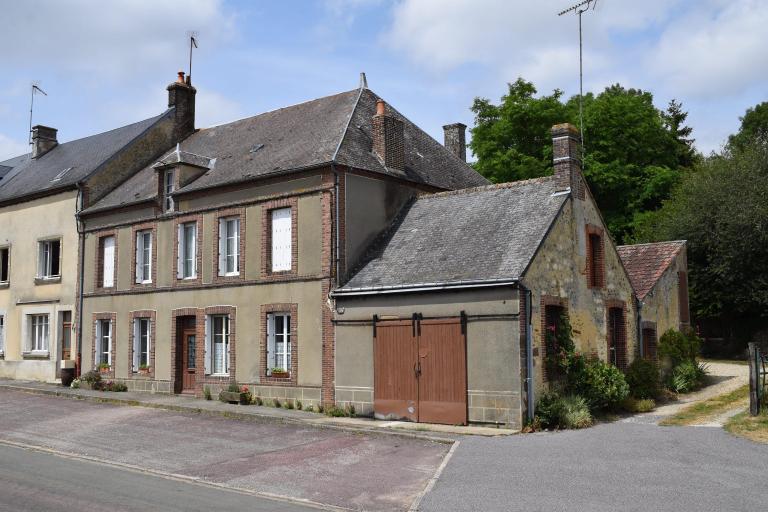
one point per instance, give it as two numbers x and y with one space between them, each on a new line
169 185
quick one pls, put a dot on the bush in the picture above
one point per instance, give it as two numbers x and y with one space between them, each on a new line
687 376
113 386
207 393
631 404
602 385
233 387
335 412
257 400
299 405
75 384
679 346
643 379
91 377
289 404
276 403
569 411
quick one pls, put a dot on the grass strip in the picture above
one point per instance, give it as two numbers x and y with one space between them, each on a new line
702 411
754 428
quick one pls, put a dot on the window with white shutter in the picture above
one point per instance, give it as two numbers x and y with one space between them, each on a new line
278 342
108 261
104 342
187 244
144 257
229 246
141 341
281 240
217 344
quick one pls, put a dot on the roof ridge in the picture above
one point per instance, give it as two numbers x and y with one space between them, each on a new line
347 124
653 243
481 188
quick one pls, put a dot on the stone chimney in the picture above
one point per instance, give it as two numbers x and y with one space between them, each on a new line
181 95
566 157
43 140
456 139
388 138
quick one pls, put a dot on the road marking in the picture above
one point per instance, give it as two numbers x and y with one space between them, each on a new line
175 476
432 481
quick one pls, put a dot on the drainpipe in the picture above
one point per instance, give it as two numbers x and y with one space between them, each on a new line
80 278
336 259
639 306
530 395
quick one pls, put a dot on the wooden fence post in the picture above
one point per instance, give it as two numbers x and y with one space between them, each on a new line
754 379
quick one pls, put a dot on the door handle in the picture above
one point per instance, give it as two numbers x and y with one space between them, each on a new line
417 369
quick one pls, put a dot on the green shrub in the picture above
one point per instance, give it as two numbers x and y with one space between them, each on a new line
687 376
559 348
233 387
632 404
75 384
349 410
679 346
643 379
276 403
257 400
289 404
602 385
299 405
91 377
207 393
320 408
555 411
335 412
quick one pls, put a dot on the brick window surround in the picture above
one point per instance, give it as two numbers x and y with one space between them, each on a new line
151 315
178 221
151 227
619 337
548 300
650 341
293 310
266 238
595 237
98 284
222 214
112 317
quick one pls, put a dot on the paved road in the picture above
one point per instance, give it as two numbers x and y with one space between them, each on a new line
374 472
34 481
619 466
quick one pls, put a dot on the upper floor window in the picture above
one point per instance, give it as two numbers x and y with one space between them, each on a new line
107 269
5 264
169 185
187 242
38 333
49 259
282 241
595 261
229 246
144 257
104 342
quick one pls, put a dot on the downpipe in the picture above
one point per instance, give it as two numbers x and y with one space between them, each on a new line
530 393
80 278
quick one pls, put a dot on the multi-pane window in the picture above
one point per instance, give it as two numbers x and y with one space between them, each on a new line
141 341
49 254
2 334
104 342
281 239
218 345
107 271
39 330
278 342
5 261
144 257
229 246
169 186
187 264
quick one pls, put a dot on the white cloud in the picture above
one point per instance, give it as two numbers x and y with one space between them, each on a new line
10 148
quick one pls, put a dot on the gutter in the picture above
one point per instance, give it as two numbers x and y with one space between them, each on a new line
423 287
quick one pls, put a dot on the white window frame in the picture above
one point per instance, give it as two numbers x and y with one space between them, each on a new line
108 254
281 226
2 332
45 261
143 257
229 246
277 359
39 334
137 353
183 253
7 261
211 367
101 354
169 186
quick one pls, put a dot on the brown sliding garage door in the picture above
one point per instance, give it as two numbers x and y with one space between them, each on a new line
420 370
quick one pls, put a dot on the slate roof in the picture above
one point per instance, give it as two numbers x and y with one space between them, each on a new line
333 129
646 263
82 157
486 233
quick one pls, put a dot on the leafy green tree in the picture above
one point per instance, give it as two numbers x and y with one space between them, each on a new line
754 124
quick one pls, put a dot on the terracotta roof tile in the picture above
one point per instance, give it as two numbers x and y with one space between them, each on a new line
646 263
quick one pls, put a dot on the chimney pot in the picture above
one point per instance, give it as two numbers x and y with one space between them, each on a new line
381 108
43 140
455 136
566 157
180 79
181 96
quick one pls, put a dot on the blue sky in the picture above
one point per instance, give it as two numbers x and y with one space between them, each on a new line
105 64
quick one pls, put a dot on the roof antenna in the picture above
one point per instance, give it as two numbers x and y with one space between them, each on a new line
580 9
35 88
363 81
192 44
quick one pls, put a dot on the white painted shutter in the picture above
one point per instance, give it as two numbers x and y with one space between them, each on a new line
139 256
180 252
136 345
109 262
281 239
222 247
208 345
97 344
227 328
271 343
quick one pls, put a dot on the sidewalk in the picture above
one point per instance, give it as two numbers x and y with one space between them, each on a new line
263 414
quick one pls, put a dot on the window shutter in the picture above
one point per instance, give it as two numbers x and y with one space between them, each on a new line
136 344
222 247
97 345
270 343
226 344
139 257
281 239
108 262
180 252
208 345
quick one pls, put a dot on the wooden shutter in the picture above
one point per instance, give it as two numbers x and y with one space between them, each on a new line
281 240
108 262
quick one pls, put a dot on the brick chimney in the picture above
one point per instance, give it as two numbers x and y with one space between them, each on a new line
181 95
388 138
43 140
566 157
456 139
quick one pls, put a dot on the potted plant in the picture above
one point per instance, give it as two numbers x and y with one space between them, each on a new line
280 373
104 368
144 369
236 394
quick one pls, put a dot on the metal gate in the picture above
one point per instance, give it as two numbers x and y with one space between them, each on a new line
420 370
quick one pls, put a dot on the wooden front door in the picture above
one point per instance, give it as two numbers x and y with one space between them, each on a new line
189 360
66 335
395 386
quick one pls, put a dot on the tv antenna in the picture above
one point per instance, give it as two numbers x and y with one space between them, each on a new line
580 8
192 44
34 89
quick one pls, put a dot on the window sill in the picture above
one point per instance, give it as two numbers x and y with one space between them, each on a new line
142 283
218 375
48 280
231 274
36 355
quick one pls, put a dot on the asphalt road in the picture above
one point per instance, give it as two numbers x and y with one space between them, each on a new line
40 482
620 466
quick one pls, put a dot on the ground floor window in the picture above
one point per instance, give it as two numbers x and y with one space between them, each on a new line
141 341
104 342
617 337
217 353
39 330
2 334
649 343
278 342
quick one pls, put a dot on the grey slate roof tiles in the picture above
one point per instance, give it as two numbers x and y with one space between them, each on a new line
484 233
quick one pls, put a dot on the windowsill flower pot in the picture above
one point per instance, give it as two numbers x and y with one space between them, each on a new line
104 368
144 370
280 373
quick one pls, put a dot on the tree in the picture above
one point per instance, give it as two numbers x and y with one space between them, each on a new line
674 119
754 124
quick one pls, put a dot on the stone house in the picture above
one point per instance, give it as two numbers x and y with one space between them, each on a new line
40 195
